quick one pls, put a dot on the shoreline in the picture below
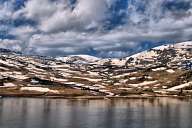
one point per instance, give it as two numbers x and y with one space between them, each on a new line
98 97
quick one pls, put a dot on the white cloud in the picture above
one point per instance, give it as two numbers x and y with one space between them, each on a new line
23 32
38 9
63 29
58 16
6 10
11 44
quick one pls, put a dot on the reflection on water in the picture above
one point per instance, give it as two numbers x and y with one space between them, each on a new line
129 113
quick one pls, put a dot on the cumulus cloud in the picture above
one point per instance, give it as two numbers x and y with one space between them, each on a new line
99 27
6 9
59 15
11 44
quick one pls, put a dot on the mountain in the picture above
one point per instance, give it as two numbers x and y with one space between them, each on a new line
161 71
169 55
3 50
81 59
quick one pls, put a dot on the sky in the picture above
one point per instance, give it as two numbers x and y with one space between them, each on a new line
102 28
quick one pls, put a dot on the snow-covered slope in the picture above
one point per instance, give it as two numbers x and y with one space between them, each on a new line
152 52
173 52
156 70
170 53
78 59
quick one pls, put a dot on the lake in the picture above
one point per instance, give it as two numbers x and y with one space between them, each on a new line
121 113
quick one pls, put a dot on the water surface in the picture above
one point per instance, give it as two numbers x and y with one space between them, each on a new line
125 113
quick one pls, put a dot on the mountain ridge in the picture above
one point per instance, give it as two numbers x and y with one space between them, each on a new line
161 71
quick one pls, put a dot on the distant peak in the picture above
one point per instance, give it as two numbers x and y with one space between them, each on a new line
4 50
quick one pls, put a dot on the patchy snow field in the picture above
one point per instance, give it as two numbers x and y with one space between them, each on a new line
143 83
38 89
180 86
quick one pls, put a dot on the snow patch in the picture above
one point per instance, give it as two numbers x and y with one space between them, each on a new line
38 89
144 83
159 69
180 86
9 85
170 71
